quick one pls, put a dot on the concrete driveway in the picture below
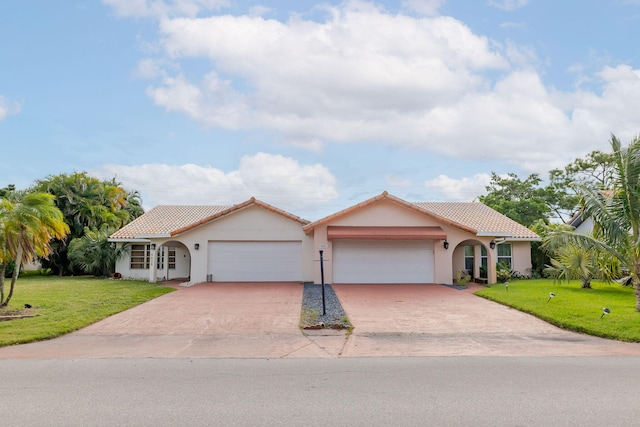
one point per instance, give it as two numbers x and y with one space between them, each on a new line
260 320
435 320
206 320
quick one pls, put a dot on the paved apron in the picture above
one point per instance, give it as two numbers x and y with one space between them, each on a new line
260 320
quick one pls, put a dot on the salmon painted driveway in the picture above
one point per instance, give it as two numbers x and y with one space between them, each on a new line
259 320
435 320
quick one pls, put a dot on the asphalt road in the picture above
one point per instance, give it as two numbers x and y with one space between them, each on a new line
430 391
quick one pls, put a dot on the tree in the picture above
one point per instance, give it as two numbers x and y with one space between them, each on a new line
86 202
540 259
93 252
8 190
574 262
522 201
615 214
28 223
596 167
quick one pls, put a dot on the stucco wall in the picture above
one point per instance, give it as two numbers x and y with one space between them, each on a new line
253 223
387 213
123 265
521 257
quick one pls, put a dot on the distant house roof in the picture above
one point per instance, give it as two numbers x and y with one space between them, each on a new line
171 220
576 219
473 217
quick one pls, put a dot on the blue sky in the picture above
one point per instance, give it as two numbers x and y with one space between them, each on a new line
311 106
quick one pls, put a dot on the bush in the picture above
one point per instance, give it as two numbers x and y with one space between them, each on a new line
11 265
462 277
503 272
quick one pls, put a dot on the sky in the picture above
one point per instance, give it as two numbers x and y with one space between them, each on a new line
312 106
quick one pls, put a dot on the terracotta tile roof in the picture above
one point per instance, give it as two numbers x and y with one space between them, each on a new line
170 220
164 219
480 217
473 217
384 196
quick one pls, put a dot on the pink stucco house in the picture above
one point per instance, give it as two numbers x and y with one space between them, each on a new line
382 240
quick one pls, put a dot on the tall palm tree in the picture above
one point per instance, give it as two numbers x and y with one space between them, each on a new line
615 213
27 225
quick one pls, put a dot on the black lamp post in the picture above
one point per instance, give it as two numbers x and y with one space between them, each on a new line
324 305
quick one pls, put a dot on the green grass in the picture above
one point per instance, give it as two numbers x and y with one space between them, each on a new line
574 308
66 304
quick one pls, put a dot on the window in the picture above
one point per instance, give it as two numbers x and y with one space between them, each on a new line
172 259
468 259
504 254
160 258
140 257
484 263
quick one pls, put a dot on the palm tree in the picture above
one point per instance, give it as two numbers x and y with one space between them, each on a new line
577 263
93 252
27 224
615 213
85 201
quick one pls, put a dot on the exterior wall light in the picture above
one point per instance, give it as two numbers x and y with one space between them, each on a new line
446 245
492 245
153 246
196 246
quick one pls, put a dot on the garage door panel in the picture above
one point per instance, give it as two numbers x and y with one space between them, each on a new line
239 261
383 261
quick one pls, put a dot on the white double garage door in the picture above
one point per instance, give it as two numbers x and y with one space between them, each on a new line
354 261
383 261
263 261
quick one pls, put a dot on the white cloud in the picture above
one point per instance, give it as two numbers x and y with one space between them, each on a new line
160 8
214 101
424 7
149 68
363 74
8 107
274 179
508 5
459 189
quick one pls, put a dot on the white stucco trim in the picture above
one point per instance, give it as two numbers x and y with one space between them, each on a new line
493 234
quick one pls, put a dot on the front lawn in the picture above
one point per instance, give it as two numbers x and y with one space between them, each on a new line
65 304
574 308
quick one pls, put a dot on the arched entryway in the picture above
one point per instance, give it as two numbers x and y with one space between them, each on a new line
173 261
475 258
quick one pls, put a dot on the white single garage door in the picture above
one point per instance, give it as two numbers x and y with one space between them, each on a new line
383 261
255 261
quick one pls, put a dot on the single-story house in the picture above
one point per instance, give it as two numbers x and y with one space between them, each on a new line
382 240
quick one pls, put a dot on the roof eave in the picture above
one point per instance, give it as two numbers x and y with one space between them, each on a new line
504 234
386 196
235 208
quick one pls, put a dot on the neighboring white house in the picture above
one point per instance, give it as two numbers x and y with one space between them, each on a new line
381 240
580 223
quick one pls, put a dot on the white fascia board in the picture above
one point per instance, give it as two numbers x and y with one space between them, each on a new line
134 240
493 234
153 236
